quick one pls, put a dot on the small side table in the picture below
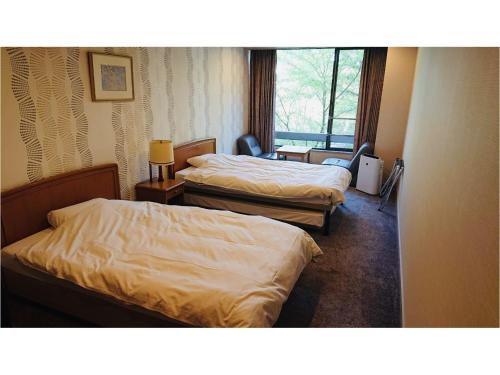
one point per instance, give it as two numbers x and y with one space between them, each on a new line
303 152
169 191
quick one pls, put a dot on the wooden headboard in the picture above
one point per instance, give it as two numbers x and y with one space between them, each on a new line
194 148
24 209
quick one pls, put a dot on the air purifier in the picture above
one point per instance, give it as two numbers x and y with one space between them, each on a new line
370 174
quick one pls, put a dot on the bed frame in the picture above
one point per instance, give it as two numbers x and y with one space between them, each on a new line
208 146
24 212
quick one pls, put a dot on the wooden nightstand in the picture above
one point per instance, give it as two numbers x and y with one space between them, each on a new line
166 192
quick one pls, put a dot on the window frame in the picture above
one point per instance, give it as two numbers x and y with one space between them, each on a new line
331 109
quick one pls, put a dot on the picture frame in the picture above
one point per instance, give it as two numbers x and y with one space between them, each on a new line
111 77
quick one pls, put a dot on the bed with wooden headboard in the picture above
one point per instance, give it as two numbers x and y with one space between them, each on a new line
242 202
24 212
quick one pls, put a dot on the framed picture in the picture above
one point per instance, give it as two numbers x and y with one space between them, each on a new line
111 77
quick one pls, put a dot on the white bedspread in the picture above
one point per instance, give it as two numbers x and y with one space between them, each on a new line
271 178
203 267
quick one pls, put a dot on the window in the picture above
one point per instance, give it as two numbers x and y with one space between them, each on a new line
317 97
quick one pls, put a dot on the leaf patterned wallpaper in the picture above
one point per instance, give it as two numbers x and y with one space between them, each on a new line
50 124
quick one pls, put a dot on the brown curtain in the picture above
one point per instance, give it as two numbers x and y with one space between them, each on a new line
262 85
370 93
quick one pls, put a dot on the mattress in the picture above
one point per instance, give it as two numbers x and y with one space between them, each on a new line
290 215
317 203
284 180
201 267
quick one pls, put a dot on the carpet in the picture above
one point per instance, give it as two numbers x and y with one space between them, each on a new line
356 283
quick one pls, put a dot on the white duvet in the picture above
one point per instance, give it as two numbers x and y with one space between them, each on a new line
271 178
202 267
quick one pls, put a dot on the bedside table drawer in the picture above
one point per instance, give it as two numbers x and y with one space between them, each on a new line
175 192
166 192
151 196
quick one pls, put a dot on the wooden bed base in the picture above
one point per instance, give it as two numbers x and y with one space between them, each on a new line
208 146
24 212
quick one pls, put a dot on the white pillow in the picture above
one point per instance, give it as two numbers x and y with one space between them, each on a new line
200 161
58 217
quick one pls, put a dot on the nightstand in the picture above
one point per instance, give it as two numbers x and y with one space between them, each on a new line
166 192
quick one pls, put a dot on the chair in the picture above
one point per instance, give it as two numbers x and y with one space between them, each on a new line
353 164
248 145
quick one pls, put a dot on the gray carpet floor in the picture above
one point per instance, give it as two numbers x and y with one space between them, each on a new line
356 282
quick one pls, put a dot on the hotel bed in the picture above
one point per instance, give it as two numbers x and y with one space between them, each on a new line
122 263
294 192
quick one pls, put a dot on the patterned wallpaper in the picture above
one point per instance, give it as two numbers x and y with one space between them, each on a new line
50 125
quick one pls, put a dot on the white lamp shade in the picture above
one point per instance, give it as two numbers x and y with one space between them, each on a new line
161 151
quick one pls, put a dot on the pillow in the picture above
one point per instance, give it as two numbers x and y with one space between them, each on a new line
200 161
58 217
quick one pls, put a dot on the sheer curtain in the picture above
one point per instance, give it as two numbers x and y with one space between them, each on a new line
262 87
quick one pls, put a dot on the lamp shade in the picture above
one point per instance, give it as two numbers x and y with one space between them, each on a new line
161 151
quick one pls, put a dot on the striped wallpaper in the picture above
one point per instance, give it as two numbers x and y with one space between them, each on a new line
50 125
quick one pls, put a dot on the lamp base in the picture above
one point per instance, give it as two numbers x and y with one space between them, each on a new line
160 173
170 171
171 174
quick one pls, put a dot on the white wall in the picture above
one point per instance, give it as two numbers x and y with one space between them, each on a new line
395 105
448 197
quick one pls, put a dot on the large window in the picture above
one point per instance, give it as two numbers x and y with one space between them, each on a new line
317 97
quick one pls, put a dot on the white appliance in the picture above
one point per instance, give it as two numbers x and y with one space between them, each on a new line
370 174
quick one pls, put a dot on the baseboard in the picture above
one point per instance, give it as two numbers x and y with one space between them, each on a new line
400 258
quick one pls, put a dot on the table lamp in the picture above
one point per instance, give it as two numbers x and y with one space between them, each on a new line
161 152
